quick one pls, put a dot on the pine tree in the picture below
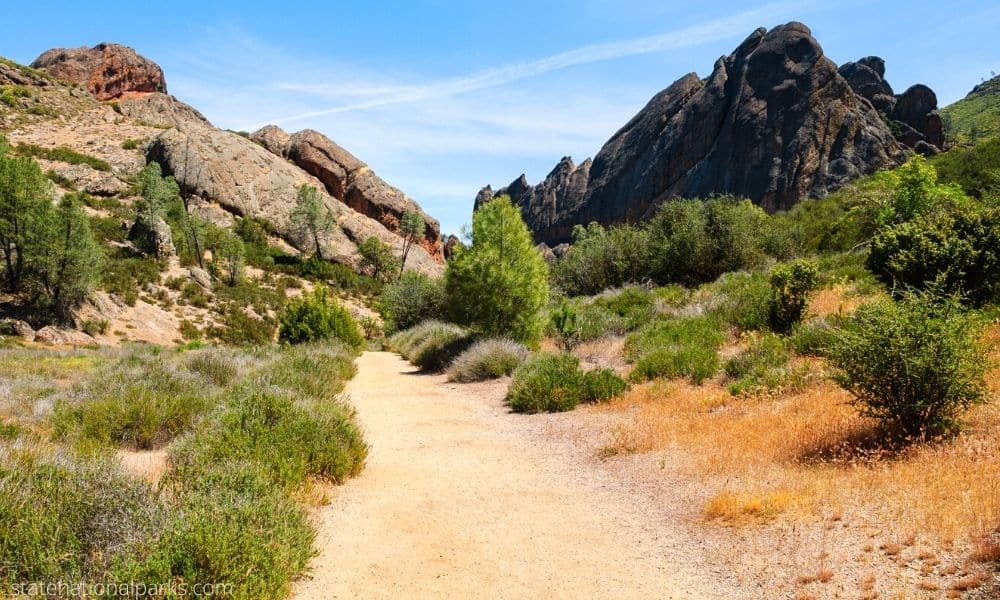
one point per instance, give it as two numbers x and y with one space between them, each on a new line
412 226
25 200
311 217
68 260
499 285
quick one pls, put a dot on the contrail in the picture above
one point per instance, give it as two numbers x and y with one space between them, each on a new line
682 38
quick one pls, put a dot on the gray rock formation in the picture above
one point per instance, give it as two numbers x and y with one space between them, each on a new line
775 122
247 180
151 235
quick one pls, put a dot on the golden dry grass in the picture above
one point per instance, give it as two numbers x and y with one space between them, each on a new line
834 300
809 453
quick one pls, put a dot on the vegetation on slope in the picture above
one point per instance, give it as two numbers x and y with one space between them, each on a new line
977 116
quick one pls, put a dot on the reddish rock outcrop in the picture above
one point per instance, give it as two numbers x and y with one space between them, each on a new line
349 180
108 71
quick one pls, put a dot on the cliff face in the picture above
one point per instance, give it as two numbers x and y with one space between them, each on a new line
108 71
775 122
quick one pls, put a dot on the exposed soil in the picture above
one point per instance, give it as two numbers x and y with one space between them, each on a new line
460 498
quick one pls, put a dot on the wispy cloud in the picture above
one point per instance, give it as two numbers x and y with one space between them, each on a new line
379 96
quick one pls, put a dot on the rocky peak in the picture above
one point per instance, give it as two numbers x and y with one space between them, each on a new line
912 115
775 122
108 71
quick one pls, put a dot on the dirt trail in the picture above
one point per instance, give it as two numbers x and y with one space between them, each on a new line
458 501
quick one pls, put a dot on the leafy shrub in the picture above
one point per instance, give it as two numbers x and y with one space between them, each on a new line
125 276
696 241
63 154
594 321
761 366
546 382
914 365
409 300
633 304
790 287
488 359
742 299
241 329
67 518
694 361
140 401
563 324
228 526
431 345
976 169
602 384
682 331
94 327
813 338
131 144
290 440
955 250
317 317
499 285
603 258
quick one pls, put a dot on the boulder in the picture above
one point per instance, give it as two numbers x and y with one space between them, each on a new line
152 235
201 277
451 245
917 107
108 71
247 180
62 337
273 138
775 122
546 252
19 328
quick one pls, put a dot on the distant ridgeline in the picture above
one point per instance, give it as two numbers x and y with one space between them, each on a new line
977 116
775 122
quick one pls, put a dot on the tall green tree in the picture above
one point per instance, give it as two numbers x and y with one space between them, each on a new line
25 201
377 258
311 217
499 284
66 259
412 226
231 253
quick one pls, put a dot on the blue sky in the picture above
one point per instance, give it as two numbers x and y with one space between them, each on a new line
441 97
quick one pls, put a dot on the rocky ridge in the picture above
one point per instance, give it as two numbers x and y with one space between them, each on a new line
776 121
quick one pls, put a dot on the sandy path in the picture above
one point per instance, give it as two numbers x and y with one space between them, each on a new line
456 502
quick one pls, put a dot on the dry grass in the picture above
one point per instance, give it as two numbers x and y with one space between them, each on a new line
834 300
811 447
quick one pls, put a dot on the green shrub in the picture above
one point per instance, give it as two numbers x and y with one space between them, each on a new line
409 300
594 321
290 440
139 401
790 287
431 345
313 370
743 300
499 285
317 317
976 169
563 325
694 361
546 383
64 517
602 384
131 144
633 304
814 338
94 327
674 332
487 359
125 276
63 154
763 365
229 526
195 295
603 258
914 365
240 329
956 250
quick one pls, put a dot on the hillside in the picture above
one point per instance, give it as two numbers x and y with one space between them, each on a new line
776 122
977 116
96 119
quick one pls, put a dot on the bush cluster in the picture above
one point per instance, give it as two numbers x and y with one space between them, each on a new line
318 317
676 347
487 359
431 345
549 382
409 300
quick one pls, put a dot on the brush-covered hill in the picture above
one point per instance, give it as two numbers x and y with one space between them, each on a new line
95 119
776 122
977 116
